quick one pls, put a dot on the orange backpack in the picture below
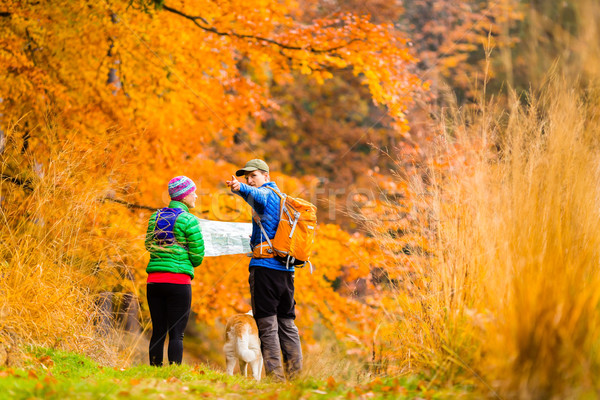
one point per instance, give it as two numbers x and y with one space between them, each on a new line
295 235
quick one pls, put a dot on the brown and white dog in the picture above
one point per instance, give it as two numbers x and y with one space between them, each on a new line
242 343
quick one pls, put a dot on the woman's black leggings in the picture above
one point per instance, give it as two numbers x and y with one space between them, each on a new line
169 309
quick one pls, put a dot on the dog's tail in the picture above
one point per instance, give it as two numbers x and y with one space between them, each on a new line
243 346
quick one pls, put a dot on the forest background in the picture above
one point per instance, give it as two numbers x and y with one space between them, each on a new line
418 128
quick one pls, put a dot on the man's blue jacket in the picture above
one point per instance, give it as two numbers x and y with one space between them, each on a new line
266 204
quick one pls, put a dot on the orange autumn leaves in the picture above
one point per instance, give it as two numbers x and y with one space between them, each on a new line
125 98
157 75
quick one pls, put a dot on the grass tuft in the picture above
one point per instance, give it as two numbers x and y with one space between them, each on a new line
508 298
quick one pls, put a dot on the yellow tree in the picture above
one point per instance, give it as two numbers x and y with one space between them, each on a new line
110 99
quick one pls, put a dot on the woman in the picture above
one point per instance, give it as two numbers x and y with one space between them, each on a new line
176 247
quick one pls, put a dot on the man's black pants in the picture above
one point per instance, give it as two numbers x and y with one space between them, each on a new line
272 293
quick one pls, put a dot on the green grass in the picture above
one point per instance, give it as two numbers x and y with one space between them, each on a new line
54 374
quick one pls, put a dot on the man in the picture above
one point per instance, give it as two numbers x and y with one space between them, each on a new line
271 283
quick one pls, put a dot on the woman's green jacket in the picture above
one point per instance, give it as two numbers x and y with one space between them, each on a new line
182 257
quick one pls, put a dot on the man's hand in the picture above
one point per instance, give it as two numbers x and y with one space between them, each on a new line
234 184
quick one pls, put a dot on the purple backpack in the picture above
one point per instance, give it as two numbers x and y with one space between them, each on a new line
165 223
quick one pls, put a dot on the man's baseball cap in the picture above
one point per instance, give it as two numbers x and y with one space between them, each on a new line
253 165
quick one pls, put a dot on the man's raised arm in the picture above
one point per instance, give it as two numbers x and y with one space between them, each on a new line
253 196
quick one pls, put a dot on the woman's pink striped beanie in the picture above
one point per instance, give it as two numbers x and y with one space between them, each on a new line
181 186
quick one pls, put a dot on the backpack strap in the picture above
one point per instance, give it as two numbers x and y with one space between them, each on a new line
283 208
257 219
264 232
281 195
257 250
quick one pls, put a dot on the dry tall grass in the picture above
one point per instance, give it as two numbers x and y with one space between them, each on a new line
511 296
52 259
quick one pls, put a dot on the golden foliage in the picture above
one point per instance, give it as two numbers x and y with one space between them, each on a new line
508 296
107 101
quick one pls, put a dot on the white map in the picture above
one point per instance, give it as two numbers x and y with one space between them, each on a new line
223 238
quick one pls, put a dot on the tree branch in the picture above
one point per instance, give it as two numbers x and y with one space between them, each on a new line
174 11
253 37
130 205
26 184
139 206
5 14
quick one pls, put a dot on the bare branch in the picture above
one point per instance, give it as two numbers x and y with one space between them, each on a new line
26 184
252 37
130 205
142 207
